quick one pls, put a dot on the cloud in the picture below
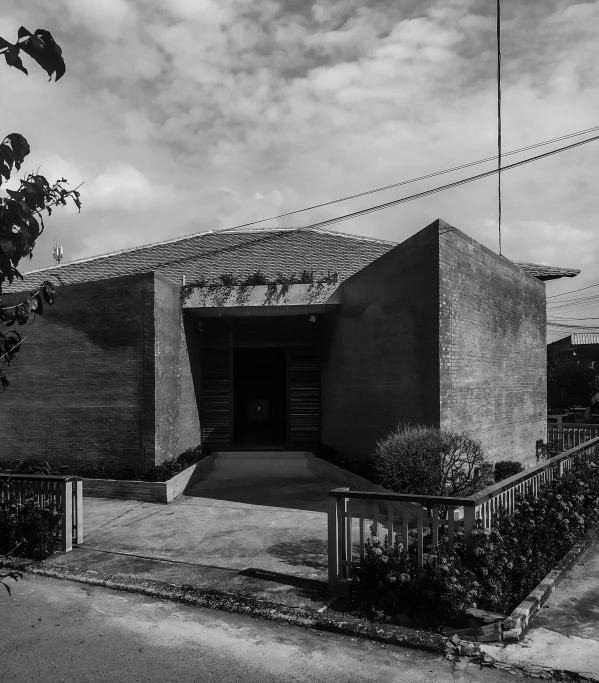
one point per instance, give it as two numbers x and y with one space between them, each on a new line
123 187
166 104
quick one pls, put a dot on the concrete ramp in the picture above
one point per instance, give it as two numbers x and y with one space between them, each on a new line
260 465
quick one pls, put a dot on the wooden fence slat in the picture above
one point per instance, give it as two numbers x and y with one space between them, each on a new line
390 511
450 526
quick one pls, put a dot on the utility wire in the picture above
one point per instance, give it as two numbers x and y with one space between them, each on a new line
553 296
414 180
499 118
457 183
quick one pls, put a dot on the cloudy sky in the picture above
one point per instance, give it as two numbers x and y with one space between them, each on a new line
187 115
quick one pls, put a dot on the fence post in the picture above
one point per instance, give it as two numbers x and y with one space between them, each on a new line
469 521
79 510
67 516
333 541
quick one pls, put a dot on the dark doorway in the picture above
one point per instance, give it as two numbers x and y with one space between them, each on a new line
259 394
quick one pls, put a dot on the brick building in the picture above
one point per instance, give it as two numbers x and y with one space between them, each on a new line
131 366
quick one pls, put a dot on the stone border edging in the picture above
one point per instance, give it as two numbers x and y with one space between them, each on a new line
518 622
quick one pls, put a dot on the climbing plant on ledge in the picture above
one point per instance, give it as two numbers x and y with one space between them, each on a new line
276 288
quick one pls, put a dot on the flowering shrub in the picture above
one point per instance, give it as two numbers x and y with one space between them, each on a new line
511 558
388 583
507 562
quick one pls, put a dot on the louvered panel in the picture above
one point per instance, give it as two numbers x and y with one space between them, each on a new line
304 397
216 397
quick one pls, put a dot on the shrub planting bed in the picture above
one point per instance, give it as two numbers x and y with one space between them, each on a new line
158 473
159 484
508 561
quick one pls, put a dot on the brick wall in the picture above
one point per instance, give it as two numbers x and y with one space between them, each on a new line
83 386
177 419
492 348
380 364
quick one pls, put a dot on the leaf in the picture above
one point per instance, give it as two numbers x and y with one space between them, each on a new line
48 292
39 304
7 316
7 246
23 312
20 147
46 52
23 33
12 59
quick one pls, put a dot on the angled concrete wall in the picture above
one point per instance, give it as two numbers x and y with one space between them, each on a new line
380 350
177 418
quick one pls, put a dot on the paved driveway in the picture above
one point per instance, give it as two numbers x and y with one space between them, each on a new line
258 537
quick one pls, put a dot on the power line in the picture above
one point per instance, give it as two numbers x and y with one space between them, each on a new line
414 180
553 296
457 183
499 119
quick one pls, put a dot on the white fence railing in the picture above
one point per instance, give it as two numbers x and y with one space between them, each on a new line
422 522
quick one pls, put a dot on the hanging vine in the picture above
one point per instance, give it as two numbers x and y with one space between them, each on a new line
277 288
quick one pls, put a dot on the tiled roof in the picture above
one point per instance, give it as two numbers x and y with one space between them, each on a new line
240 252
212 254
584 338
547 272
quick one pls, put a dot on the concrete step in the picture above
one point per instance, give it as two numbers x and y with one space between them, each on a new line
260 455
250 464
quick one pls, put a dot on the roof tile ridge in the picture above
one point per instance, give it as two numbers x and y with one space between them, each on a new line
363 238
127 250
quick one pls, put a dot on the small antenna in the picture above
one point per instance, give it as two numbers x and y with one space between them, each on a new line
58 254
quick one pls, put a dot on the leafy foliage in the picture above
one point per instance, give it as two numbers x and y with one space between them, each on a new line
162 472
507 468
506 563
40 46
21 219
276 287
29 529
512 557
429 461
387 584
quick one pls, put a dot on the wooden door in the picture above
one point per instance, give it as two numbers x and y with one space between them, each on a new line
217 405
303 423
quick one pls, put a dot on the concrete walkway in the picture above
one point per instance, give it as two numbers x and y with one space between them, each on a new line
566 633
266 538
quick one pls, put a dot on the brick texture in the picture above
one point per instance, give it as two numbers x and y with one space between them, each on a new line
438 331
104 376
492 348
82 388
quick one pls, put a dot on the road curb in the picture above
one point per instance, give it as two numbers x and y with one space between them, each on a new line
516 625
218 600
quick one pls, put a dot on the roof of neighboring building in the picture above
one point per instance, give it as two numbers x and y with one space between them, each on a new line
582 338
241 253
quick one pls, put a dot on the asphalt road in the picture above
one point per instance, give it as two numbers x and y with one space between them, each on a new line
52 630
